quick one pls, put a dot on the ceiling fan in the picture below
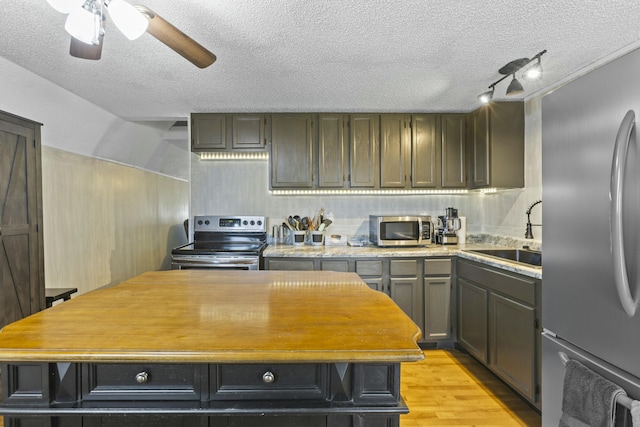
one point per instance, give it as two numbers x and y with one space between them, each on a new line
86 19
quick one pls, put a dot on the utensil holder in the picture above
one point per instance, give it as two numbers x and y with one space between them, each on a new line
317 238
298 237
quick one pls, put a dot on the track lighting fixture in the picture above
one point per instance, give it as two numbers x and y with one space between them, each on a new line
532 73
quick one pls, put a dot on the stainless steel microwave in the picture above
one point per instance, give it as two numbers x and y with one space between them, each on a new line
411 230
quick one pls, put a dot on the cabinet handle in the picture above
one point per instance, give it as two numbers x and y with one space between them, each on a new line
142 377
268 377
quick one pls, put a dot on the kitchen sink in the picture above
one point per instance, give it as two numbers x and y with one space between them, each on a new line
524 256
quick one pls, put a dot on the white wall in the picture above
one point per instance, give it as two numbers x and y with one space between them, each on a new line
242 187
115 193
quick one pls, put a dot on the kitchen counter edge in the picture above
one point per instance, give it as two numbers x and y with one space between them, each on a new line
328 251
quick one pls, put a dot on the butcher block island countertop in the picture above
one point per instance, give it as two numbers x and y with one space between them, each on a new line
190 316
212 348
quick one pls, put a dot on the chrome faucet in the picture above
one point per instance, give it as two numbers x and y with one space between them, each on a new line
529 234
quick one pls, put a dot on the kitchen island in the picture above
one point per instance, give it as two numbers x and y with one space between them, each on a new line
205 348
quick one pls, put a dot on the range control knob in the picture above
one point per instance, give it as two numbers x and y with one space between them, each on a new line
259 222
245 222
253 222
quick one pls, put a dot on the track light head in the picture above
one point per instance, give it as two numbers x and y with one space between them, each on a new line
514 87
533 73
486 97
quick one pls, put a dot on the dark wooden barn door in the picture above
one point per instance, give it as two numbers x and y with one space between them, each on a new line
21 263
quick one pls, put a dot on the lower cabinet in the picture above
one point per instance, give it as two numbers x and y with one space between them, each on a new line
229 395
370 420
421 287
403 287
498 323
436 299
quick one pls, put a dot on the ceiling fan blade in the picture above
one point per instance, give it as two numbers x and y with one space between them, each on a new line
84 50
164 31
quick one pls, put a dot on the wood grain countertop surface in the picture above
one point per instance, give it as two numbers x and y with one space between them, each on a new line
218 316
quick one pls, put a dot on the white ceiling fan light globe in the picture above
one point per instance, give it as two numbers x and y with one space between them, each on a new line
80 24
65 6
127 18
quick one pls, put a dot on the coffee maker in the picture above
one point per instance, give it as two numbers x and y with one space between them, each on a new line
448 226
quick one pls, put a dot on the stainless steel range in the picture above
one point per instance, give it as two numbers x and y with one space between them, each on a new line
223 242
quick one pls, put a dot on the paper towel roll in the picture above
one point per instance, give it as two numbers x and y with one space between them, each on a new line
462 233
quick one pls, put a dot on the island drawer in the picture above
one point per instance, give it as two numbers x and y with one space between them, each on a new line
268 381
140 382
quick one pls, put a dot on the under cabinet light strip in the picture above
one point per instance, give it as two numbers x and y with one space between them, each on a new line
259 155
364 192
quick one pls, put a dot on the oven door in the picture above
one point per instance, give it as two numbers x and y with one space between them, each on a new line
216 262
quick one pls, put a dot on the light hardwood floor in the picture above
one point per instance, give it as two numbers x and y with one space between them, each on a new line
450 388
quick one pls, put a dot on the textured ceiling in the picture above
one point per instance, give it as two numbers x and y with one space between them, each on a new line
305 55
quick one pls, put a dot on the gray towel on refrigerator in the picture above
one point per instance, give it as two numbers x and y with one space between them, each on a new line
588 400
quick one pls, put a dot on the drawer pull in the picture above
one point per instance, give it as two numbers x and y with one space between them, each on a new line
268 377
142 377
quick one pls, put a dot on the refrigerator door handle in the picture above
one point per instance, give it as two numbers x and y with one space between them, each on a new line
615 213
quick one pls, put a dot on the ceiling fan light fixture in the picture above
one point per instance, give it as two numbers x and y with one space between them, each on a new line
127 18
515 87
84 24
65 6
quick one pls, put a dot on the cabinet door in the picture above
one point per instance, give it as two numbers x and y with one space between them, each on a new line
478 138
402 291
507 145
331 151
393 151
363 139
472 319
291 151
512 343
437 300
208 132
375 283
248 131
453 150
425 151
21 257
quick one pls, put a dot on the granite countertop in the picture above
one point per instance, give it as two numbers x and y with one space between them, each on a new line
371 251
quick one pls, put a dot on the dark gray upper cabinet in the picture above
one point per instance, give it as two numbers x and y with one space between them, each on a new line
395 151
426 151
226 132
248 131
291 157
363 150
208 132
496 146
453 150
332 151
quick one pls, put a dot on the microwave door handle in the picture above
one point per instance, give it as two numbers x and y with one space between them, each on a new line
620 275
419 231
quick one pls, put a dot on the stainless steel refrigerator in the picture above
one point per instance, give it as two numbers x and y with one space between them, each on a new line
591 230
